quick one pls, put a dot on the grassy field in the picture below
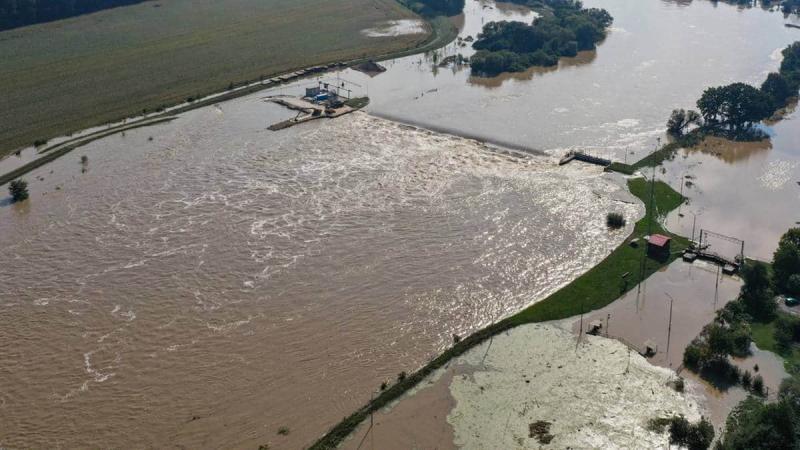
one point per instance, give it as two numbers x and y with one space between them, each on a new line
64 76
763 335
592 290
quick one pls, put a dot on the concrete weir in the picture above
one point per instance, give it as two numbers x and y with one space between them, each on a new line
581 156
308 111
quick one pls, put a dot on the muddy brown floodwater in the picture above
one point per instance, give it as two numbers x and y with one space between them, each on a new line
748 191
206 282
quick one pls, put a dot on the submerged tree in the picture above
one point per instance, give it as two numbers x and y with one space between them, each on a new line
736 106
18 190
778 88
681 119
756 293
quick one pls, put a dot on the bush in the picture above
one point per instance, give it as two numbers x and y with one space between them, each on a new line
793 284
18 190
283 431
678 430
681 119
747 379
787 331
758 385
680 385
756 293
700 435
693 356
615 220
693 436
401 376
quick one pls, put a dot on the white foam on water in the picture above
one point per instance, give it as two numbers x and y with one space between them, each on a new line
595 395
777 174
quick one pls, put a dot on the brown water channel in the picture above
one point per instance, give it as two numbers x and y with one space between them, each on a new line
206 282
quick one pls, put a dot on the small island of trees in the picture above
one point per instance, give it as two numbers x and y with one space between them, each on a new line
564 29
732 111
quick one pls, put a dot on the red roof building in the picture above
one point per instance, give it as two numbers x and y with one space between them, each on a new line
658 246
659 240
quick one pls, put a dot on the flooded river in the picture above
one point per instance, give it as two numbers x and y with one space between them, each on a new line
206 282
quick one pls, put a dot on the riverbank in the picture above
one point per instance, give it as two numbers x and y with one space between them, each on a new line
107 83
598 287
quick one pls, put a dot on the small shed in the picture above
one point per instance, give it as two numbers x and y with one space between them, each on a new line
658 245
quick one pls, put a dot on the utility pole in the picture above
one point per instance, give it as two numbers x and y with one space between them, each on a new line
372 424
652 193
669 327
716 288
580 332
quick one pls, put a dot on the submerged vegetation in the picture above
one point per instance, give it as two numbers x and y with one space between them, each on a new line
18 190
694 436
435 7
615 220
564 29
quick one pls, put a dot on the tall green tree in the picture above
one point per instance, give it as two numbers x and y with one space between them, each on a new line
778 88
756 292
680 120
734 106
786 260
755 425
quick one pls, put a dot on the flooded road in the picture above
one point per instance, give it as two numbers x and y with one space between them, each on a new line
207 282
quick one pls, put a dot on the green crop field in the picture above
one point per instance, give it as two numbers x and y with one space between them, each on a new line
64 76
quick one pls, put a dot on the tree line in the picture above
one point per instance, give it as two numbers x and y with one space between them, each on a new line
18 13
733 110
435 7
563 29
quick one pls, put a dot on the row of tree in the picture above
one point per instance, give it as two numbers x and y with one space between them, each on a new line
735 109
435 7
563 30
18 13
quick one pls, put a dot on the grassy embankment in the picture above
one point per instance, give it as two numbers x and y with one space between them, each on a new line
84 71
596 288
763 334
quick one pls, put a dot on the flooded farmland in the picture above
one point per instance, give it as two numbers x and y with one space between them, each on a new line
207 282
